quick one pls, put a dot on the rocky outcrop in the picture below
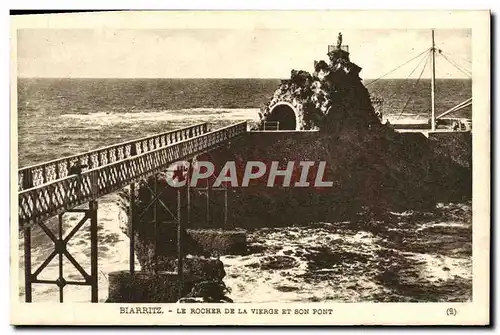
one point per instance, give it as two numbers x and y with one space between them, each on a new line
378 170
145 287
333 96
207 292
374 170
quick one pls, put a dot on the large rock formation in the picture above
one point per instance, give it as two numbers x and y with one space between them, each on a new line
332 96
373 168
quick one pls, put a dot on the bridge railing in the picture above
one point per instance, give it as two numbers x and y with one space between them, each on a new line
44 201
271 125
43 173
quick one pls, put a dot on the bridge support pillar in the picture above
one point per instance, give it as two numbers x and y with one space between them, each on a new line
132 227
61 250
94 280
27 264
180 244
179 214
209 189
156 224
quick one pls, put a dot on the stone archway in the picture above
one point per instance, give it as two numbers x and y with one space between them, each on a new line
286 114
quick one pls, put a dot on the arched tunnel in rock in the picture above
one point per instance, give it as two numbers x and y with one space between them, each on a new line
285 115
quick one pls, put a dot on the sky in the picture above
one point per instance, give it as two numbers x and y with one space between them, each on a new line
227 53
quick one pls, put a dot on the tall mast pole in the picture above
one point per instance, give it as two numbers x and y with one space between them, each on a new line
433 84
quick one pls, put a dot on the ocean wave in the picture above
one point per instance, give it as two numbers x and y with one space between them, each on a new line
193 114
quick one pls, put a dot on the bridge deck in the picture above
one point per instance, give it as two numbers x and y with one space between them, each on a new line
48 189
39 174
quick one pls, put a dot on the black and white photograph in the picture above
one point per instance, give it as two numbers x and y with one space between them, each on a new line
250 165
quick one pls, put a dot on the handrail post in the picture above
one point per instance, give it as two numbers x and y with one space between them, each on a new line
208 203
225 205
27 179
94 182
61 258
156 226
188 195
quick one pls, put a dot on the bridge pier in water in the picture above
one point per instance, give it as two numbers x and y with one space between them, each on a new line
64 185
60 250
155 212
121 286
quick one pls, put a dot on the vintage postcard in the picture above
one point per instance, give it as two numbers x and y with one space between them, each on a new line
250 168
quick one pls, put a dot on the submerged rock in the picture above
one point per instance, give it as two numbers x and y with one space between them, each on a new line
278 262
208 292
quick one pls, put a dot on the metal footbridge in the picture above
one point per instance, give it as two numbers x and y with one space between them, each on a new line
66 185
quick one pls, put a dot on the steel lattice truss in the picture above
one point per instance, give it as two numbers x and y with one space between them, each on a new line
44 173
111 169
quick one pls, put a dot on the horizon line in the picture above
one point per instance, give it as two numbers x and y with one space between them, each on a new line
234 78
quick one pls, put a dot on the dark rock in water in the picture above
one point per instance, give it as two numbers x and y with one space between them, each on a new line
284 288
208 292
219 241
145 287
323 257
195 268
372 165
374 169
330 98
277 262
374 172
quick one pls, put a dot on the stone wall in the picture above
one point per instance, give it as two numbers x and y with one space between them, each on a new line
377 169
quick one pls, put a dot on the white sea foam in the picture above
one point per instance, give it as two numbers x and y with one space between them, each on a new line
442 268
192 115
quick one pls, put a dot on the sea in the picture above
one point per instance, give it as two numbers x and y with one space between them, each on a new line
62 117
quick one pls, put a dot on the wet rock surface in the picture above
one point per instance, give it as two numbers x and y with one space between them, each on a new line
376 171
207 292
196 268
145 287
407 257
277 262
